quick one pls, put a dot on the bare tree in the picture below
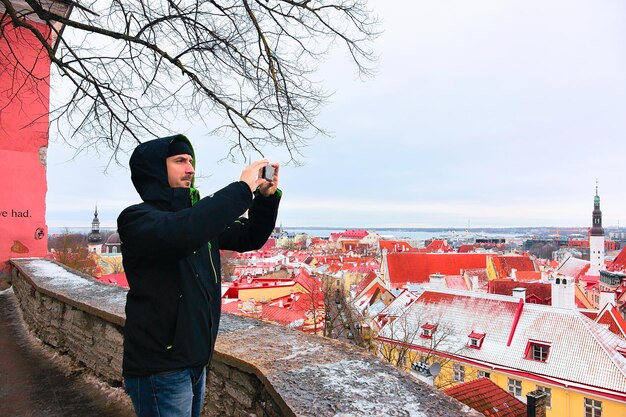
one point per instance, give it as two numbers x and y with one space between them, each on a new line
413 339
313 304
403 335
70 249
133 66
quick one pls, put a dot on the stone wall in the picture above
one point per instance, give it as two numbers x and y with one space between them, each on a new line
90 337
259 369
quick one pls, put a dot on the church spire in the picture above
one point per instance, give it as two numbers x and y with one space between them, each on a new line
95 238
596 239
95 223
596 225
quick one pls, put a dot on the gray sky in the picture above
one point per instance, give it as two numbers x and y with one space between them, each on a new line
500 113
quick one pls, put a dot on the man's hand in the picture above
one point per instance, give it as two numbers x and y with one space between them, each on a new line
268 188
250 174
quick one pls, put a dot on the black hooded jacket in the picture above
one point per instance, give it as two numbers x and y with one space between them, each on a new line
170 251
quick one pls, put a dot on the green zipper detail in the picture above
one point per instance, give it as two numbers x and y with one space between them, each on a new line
212 266
195 197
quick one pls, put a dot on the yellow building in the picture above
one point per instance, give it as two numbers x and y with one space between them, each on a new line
521 347
110 264
267 289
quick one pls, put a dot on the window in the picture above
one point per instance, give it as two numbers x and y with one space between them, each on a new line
593 408
459 373
475 340
537 351
428 330
483 374
515 387
548 392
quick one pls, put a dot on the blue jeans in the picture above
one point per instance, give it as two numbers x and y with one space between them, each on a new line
168 394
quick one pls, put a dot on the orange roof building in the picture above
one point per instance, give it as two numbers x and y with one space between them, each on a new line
507 266
488 398
415 268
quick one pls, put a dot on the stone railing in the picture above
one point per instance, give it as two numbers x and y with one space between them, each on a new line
258 369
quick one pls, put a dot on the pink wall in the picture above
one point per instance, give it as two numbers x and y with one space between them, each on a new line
24 107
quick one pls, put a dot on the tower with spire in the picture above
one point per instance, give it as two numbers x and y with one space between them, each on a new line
596 238
94 238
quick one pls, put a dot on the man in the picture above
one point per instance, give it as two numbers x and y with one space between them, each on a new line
170 247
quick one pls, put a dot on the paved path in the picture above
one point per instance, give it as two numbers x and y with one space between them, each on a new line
32 384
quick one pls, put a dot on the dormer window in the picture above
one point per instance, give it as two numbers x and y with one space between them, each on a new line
475 340
428 330
537 351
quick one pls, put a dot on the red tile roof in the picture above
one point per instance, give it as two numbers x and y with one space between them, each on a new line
611 317
591 314
488 398
619 263
275 314
282 315
417 267
308 282
456 282
438 245
367 280
466 248
481 273
269 244
117 279
354 234
395 246
589 281
334 236
504 264
543 292
528 276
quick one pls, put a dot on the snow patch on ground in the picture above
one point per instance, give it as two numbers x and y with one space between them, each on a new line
57 275
358 381
299 351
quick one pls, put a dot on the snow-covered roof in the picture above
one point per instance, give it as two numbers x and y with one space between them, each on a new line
581 352
573 267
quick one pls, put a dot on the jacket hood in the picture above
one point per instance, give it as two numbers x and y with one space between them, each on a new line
149 173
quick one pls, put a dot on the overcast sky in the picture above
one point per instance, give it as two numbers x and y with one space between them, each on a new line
496 113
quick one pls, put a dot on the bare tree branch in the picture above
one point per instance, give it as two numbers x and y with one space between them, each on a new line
131 67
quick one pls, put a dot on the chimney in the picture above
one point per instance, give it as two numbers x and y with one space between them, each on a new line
437 281
519 293
536 404
606 297
563 293
474 280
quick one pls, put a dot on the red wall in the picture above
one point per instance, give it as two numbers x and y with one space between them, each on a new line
24 107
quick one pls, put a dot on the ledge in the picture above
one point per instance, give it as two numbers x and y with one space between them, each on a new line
73 288
280 372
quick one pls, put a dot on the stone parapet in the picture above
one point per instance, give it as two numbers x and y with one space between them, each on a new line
259 369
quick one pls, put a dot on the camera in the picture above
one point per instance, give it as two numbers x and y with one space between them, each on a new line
267 173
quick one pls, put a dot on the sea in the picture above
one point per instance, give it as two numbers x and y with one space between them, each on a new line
324 232
408 233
